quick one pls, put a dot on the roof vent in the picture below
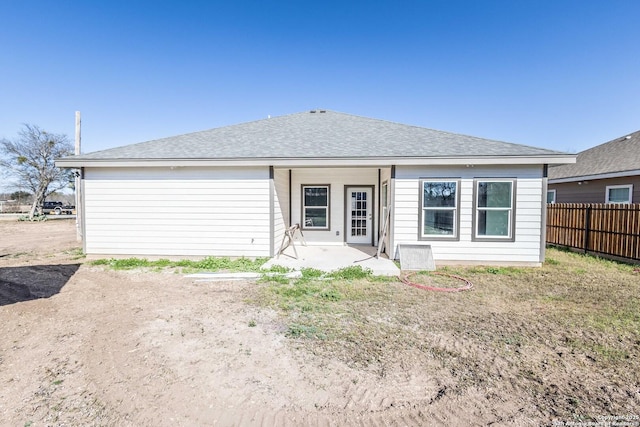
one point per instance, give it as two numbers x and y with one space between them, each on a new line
323 111
312 111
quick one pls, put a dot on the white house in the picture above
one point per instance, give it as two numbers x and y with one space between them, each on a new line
232 191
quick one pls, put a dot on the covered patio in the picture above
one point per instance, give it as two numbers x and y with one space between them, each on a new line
334 257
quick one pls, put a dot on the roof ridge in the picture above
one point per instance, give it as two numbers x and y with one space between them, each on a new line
304 134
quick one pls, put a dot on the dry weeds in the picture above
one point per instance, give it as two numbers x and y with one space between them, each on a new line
562 341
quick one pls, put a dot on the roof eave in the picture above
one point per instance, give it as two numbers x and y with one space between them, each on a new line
70 162
622 174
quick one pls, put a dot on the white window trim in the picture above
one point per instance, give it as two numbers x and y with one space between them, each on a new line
327 208
512 211
615 187
455 209
554 195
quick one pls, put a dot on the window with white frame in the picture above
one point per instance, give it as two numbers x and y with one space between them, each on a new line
619 193
551 196
494 213
315 207
439 210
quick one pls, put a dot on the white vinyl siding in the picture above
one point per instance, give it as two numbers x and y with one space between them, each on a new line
528 215
181 211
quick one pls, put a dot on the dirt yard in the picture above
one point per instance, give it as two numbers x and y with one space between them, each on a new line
84 345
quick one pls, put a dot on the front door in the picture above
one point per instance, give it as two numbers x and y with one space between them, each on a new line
359 212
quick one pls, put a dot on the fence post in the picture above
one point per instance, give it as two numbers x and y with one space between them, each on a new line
587 228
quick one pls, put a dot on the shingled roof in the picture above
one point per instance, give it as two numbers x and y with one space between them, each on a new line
316 134
620 156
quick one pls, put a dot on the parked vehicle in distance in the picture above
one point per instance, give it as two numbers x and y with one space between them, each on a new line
57 208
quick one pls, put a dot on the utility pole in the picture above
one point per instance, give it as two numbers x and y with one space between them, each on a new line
78 183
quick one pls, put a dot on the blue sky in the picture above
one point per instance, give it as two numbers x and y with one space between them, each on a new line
560 74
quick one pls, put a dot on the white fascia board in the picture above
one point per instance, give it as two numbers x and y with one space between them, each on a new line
595 176
320 162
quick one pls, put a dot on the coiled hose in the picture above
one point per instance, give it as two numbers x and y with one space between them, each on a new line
468 285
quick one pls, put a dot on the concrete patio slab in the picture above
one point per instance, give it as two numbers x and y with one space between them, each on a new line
330 258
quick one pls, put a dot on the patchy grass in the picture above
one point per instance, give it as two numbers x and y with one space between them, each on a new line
350 273
564 337
36 218
186 266
76 253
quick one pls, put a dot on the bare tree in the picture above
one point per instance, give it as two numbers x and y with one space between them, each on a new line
29 161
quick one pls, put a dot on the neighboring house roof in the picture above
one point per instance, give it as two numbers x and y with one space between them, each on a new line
618 157
314 136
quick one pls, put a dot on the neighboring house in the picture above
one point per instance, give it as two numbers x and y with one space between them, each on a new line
233 191
607 173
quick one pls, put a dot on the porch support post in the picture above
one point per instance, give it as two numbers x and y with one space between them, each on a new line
543 222
378 217
392 207
290 198
81 203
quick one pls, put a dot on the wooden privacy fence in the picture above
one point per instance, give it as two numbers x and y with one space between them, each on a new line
606 229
